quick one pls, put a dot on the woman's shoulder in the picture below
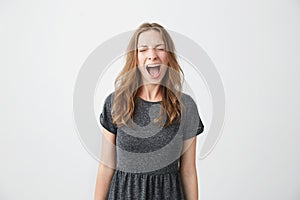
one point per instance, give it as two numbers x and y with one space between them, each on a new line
187 98
189 104
109 98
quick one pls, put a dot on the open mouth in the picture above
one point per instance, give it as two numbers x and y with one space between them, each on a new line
153 70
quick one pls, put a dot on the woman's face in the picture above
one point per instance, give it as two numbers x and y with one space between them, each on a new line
152 56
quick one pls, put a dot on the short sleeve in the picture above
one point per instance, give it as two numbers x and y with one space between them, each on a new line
192 123
106 117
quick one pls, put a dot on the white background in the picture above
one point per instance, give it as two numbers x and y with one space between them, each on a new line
254 44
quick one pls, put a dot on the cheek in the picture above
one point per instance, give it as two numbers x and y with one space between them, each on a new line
164 57
140 60
139 68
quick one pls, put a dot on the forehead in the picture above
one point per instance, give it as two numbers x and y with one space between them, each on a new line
150 38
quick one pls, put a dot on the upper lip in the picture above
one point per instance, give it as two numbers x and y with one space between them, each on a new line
152 64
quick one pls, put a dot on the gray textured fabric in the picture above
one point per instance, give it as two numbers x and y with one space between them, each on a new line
147 154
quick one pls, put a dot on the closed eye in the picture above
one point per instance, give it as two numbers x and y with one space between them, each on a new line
142 49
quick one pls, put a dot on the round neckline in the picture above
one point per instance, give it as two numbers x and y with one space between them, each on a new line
147 100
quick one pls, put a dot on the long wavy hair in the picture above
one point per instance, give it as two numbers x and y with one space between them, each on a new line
128 82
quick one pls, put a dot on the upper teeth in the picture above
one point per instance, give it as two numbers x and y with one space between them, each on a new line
156 65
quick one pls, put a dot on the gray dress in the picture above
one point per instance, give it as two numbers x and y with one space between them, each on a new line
148 155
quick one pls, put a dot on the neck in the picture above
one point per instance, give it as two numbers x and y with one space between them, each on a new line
150 92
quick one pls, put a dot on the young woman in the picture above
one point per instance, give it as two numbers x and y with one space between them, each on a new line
149 125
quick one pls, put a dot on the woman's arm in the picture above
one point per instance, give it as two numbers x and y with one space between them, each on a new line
188 169
106 166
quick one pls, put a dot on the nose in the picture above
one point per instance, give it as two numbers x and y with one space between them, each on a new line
152 54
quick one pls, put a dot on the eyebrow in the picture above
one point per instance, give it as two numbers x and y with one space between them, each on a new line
144 45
